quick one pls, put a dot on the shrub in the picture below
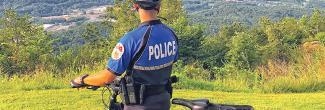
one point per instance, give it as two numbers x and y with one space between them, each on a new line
243 51
321 37
193 72
303 76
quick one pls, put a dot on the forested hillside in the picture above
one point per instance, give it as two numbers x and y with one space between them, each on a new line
215 13
212 13
41 8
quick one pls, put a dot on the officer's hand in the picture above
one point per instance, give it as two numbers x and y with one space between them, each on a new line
78 82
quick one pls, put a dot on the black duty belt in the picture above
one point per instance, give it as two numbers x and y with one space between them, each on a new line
135 94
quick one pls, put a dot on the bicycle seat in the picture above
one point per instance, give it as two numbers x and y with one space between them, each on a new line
204 104
200 104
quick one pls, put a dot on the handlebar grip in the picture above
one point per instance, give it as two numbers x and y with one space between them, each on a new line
182 102
74 84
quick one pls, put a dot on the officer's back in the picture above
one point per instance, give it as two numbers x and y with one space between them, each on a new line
153 64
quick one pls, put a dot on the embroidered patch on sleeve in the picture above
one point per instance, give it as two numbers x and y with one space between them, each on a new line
118 51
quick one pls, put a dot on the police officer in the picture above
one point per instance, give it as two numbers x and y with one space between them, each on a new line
146 54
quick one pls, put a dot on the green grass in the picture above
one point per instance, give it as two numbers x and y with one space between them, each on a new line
47 91
69 99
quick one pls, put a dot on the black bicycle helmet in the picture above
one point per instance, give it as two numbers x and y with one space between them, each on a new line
147 4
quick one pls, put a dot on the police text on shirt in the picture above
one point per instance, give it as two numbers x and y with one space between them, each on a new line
162 50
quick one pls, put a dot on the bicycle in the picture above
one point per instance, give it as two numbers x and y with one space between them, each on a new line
200 104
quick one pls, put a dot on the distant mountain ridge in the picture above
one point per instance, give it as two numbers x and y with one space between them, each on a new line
42 8
216 13
213 13
58 15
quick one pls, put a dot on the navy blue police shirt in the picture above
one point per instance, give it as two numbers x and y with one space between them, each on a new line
155 63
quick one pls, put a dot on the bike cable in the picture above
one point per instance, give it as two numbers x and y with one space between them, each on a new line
103 97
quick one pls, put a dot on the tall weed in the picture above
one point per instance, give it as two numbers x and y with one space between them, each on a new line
305 75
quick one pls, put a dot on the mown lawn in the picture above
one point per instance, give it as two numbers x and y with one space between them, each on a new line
69 99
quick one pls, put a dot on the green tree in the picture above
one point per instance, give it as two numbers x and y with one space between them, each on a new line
24 46
214 48
93 37
120 19
190 35
190 39
283 38
244 52
213 51
316 23
321 37
172 10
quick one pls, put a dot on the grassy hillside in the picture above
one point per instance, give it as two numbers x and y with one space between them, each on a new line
67 99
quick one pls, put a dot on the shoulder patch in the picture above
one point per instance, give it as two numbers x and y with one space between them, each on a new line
118 51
